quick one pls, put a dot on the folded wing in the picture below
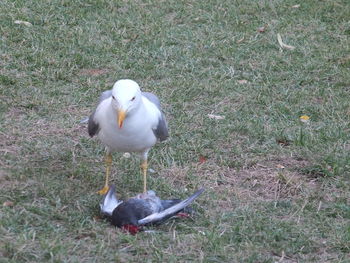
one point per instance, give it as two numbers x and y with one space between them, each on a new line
171 210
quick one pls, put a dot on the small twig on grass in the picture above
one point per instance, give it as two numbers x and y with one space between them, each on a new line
277 193
299 211
319 207
283 45
21 22
282 256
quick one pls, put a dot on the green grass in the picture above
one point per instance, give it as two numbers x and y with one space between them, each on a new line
277 188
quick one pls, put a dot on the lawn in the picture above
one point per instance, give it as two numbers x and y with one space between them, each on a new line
277 186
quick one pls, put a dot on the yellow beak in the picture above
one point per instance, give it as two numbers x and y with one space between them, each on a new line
121 116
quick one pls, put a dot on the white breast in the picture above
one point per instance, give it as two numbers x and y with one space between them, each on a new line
136 134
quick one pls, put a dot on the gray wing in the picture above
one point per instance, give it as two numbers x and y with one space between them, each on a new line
152 98
105 95
93 127
171 210
161 132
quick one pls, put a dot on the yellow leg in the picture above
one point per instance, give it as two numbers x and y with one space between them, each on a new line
144 167
108 161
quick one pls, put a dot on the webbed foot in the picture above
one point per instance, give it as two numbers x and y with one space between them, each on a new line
104 190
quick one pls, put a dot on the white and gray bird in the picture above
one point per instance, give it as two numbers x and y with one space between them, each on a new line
143 209
127 120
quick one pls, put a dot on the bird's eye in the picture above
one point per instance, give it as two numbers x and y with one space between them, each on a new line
113 97
133 98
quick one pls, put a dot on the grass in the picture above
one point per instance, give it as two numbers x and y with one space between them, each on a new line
277 188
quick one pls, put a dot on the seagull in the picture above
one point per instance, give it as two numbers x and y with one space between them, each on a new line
127 120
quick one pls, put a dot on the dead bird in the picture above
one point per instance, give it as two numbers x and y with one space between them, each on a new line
143 209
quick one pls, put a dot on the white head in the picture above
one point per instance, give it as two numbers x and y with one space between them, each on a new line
126 96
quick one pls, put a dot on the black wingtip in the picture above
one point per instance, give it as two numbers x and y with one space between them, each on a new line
93 127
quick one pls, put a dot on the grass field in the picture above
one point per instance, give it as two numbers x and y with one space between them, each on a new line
277 188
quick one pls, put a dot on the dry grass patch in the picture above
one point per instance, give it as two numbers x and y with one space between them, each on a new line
266 180
93 72
10 142
269 180
272 180
8 184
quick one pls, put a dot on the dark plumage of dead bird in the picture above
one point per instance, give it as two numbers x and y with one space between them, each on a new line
143 209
